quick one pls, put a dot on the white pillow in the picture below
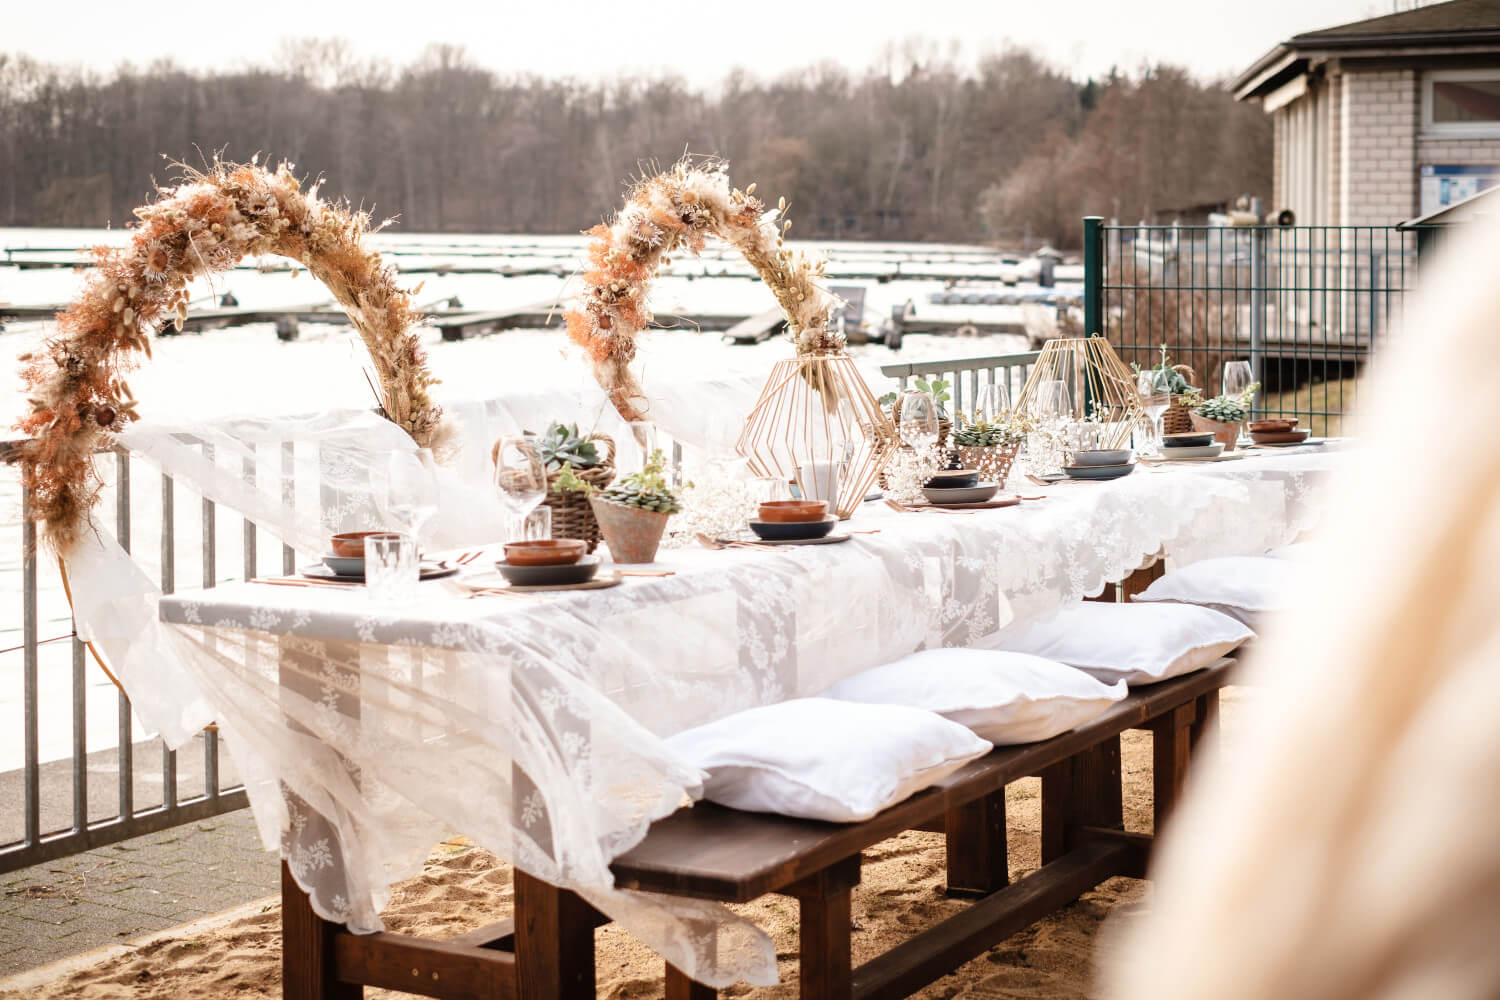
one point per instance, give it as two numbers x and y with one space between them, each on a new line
1136 643
1240 586
817 758
1003 697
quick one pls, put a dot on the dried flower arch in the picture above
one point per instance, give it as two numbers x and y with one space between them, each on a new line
205 224
680 208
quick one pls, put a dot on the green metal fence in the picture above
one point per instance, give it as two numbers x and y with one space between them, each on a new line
1305 305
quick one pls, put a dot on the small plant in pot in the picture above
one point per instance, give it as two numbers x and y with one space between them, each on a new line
1223 415
589 458
990 446
633 512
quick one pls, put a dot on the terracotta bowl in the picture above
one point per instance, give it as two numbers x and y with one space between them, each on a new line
787 511
1273 424
545 552
351 544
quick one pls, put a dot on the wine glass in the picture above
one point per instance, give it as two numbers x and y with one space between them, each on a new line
1237 380
410 490
919 419
1053 402
1155 387
992 403
520 477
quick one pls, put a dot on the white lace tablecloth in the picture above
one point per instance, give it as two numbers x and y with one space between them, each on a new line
533 724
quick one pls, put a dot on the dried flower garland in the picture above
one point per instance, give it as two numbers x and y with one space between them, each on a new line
205 224
680 208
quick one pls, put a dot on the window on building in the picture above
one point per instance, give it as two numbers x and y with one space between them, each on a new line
1462 102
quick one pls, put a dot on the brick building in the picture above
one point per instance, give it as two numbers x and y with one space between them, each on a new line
1385 119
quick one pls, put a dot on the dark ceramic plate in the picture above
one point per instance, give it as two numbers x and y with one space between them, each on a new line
954 480
1187 440
773 531
428 571
550 576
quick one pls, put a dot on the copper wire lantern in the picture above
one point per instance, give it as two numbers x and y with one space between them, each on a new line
1102 387
816 413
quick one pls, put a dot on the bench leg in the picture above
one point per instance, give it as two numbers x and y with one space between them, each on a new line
554 942
680 987
1083 790
827 965
1171 744
307 949
977 861
1206 725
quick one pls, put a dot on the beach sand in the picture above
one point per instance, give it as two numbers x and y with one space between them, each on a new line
901 892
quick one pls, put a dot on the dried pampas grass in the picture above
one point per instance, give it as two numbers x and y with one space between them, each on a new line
205 224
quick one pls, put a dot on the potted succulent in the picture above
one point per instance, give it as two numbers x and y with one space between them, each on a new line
1223 415
1178 417
990 446
590 459
632 513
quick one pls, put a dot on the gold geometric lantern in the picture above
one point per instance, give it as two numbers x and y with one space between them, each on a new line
817 422
1102 387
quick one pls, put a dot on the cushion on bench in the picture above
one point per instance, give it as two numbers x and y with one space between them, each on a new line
817 758
1136 643
1239 586
1004 697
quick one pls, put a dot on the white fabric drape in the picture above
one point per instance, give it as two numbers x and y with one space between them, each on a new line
1346 848
535 725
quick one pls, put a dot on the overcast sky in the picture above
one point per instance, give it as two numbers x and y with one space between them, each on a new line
699 39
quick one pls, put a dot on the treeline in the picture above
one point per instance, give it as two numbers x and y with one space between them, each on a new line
919 148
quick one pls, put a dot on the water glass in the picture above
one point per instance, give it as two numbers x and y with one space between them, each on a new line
1155 387
919 419
391 568
520 477
820 481
769 488
538 525
1237 377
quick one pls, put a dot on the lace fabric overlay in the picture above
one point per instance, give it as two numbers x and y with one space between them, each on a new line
534 724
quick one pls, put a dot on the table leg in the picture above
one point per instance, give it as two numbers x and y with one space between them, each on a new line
680 987
825 923
977 860
554 941
307 949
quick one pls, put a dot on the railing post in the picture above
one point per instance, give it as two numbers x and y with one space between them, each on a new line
1093 275
1257 300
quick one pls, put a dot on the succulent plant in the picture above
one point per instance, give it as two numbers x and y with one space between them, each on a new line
563 444
646 489
1178 384
991 433
1226 409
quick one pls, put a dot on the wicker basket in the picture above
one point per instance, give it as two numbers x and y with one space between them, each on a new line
1177 419
572 516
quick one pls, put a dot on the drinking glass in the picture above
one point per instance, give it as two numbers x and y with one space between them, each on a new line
1155 387
520 477
537 527
769 488
391 568
1053 402
410 491
1237 379
992 403
919 419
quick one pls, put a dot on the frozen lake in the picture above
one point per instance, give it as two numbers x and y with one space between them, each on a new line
247 370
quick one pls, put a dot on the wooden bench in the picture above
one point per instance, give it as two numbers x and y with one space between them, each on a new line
710 852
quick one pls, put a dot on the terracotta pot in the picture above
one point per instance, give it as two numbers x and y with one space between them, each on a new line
632 534
1225 434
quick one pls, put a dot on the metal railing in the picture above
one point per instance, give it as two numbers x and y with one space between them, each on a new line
63 810
1305 305
1009 370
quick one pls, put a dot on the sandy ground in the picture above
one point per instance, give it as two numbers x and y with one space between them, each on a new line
901 892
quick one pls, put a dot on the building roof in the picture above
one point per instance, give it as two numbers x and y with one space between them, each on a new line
1458 25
